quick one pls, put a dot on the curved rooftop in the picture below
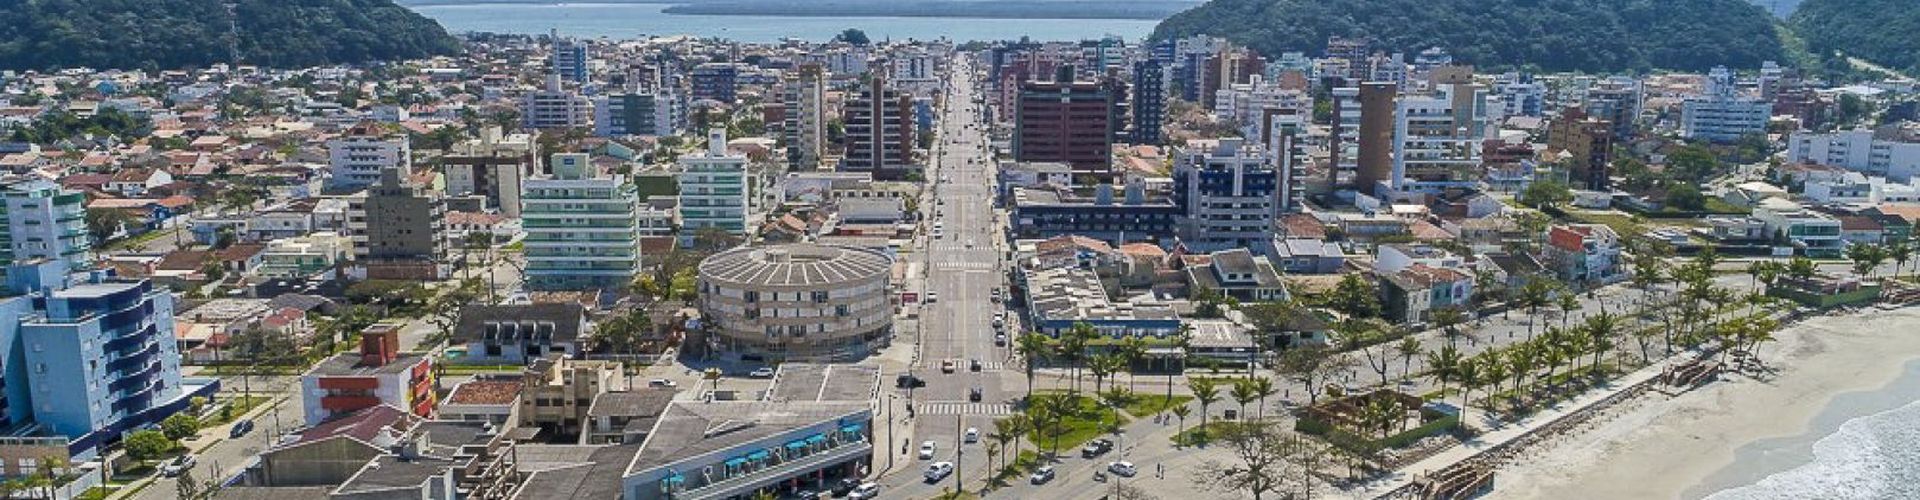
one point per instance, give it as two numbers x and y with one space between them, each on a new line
799 264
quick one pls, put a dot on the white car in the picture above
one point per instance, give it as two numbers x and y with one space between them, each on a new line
926 450
1042 475
865 491
179 465
938 471
973 435
661 382
762 372
1122 469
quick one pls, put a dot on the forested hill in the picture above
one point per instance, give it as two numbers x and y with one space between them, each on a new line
1885 32
1551 35
169 34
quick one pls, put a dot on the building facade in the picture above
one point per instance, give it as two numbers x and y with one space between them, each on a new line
880 133
582 227
1149 103
100 360
714 191
1858 150
805 129
798 301
1067 121
555 107
43 221
1721 114
356 158
399 229
1588 144
1226 192
377 375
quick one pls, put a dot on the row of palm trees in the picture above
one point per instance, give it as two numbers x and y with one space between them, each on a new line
1071 348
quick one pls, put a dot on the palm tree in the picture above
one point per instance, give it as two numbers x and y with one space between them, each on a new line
1442 366
1243 392
1264 387
992 450
1133 350
1182 341
1604 330
1182 411
1448 319
1408 348
1030 346
1493 371
1101 365
1001 436
1016 425
1534 295
1206 392
1073 347
1866 257
1381 414
1469 374
1801 268
1568 303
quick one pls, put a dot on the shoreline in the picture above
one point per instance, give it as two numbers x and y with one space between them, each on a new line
1733 432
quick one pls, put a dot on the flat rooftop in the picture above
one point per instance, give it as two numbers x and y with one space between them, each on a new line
695 428
348 365
822 382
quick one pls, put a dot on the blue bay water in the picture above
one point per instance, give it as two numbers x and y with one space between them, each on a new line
637 20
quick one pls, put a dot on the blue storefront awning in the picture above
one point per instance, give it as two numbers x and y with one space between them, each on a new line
736 461
758 455
797 444
850 428
817 439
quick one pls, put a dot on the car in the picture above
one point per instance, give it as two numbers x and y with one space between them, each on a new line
908 381
1000 339
999 321
807 495
1122 468
179 465
239 429
865 491
661 382
972 435
1096 448
974 395
973 365
845 486
926 450
938 471
933 297
947 366
762 372
1041 475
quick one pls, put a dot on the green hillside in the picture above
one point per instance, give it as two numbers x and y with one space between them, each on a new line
167 34
1885 32
1551 35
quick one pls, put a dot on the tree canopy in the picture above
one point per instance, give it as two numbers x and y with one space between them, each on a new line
1551 35
1881 31
169 34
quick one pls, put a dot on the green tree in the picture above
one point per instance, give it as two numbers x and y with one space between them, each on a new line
180 426
148 445
853 36
103 223
1544 194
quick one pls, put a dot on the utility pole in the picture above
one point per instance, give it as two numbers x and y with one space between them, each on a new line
959 448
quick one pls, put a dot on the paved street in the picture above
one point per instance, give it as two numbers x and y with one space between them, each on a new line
963 268
230 456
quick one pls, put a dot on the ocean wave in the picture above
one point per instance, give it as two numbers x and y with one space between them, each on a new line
1869 458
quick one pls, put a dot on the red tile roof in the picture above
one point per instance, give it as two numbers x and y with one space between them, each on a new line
485 392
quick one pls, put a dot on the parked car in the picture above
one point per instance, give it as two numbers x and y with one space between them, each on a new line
865 491
1041 475
1122 469
1096 448
661 382
845 486
938 471
762 372
907 380
808 495
926 450
1000 339
972 435
179 465
240 428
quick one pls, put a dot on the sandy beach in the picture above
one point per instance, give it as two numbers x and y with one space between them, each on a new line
1731 432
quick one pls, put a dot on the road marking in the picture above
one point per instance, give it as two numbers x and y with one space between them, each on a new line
967 408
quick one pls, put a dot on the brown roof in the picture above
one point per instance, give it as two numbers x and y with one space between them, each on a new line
485 392
241 251
1859 223
183 260
1303 226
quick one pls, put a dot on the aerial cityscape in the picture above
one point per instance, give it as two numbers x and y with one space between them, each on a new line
959 249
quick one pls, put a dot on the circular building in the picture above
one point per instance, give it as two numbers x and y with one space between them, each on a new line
797 302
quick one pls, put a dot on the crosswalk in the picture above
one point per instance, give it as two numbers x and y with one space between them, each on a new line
985 366
964 266
966 408
980 245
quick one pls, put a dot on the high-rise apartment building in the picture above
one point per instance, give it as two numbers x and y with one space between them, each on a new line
1374 136
40 220
399 229
658 111
1588 144
569 58
1721 114
714 191
491 166
1066 121
717 81
1891 156
555 107
805 129
1225 189
582 227
356 158
1149 102
880 133
1437 138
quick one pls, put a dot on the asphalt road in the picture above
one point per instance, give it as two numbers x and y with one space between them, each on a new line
963 269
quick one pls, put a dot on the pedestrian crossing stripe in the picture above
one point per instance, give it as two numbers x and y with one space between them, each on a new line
967 408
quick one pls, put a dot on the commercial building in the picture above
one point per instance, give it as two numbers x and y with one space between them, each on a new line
814 427
1587 254
1067 121
1889 156
377 375
1721 114
1587 144
1060 297
880 133
1226 192
555 107
399 230
1132 216
805 129
303 256
582 227
1811 233
43 221
798 301
356 158
714 191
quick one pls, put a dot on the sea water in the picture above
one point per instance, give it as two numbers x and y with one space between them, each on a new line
1871 457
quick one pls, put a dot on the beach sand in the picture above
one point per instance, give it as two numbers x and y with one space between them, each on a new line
1661 447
